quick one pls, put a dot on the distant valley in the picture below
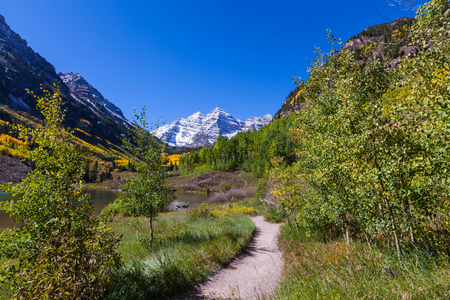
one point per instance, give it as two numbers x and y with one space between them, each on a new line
93 118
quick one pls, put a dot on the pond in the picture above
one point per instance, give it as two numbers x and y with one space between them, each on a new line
101 198
191 199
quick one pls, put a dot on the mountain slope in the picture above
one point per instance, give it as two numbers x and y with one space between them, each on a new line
389 41
199 130
98 121
82 90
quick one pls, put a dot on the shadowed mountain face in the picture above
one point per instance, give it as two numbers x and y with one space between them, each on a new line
22 68
199 130
82 91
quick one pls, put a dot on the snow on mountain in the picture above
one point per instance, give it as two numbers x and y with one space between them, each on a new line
23 69
84 92
256 123
199 130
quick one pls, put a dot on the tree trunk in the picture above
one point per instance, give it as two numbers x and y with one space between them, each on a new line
388 205
347 235
410 217
151 231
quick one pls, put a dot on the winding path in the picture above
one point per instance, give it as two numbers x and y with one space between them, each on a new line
253 275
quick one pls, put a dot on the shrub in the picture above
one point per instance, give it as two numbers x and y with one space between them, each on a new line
201 211
234 210
272 215
60 250
114 209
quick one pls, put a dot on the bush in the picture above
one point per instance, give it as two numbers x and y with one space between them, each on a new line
114 209
201 211
234 210
60 251
272 215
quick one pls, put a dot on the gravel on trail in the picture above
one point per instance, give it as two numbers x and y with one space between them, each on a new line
253 275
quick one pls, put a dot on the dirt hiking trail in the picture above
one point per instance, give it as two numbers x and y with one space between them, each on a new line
253 275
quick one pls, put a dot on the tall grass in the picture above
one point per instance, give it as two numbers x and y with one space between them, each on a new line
337 270
186 252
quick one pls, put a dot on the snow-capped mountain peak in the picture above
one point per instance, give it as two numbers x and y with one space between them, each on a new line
197 116
199 130
257 122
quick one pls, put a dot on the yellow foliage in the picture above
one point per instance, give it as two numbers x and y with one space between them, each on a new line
122 162
82 131
85 122
369 48
92 147
174 158
234 210
397 33
11 152
297 95
278 193
6 139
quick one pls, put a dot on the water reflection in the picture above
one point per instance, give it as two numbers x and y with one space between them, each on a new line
101 198
5 220
191 199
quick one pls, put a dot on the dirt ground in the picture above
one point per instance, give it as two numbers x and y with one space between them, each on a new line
253 275
12 170
216 181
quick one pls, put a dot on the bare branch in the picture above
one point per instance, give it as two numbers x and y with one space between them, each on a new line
406 3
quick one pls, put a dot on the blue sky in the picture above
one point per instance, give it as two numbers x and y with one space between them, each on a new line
180 57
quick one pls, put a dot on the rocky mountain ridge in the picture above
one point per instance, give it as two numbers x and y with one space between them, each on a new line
81 90
199 130
21 68
388 41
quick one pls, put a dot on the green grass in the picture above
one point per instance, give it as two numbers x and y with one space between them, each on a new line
271 214
5 291
336 270
185 252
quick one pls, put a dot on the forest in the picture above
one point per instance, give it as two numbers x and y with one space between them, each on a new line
367 156
250 150
359 173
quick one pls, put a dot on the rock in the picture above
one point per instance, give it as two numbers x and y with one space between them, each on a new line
389 271
12 170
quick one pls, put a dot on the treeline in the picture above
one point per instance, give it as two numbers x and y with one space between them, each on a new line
292 103
251 150
373 161
385 29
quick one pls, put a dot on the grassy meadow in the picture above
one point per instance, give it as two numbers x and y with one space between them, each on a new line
190 245
315 269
